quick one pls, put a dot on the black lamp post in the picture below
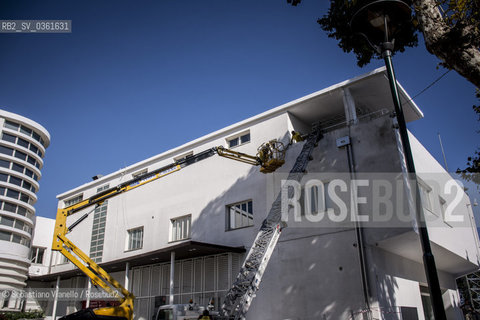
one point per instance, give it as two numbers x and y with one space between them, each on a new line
379 22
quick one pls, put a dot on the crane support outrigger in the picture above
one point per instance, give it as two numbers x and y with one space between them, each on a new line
270 156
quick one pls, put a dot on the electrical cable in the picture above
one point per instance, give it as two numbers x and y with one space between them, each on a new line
428 87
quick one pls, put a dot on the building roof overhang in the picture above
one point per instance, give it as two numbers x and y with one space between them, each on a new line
183 250
29 122
370 92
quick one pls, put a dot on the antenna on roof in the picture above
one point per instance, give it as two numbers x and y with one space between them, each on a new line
443 151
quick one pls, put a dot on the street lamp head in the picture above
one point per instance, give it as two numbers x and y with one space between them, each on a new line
381 20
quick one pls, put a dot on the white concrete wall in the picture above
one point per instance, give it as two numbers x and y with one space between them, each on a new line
315 270
460 237
201 190
42 239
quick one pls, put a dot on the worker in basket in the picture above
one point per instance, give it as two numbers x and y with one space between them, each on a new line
296 137
205 315
265 154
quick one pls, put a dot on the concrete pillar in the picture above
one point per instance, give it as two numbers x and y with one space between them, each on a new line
127 276
89 288
230 267
55 301
349 105
172 275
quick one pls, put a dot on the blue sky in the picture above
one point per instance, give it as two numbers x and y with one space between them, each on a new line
136 78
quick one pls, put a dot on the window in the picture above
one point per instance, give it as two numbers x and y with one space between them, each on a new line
98 232
33 148
11 125
18 168
4 164
6 221
15 181
61 259
103 188
36 255
443 206
5 236
32 161
16 238
240 215
135 239
238 139
427 305
22 211
425 196
26 130
25 198
13 194
9 207
22 142
22 226
74 200
183 156
6 150
9 138
30 174
28 186
18 224
37 137
20 155
12 237
180 228
139 173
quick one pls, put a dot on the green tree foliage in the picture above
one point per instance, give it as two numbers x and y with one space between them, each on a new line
451 31
472 171
10 315
450 28
337 25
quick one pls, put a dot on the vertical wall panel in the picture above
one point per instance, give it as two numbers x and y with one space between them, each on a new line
198 275
222 272
209 274
144 290
177 278
200 279
137 281
156 283
187 277
165 279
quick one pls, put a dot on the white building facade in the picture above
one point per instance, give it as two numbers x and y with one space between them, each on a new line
197 223
22 148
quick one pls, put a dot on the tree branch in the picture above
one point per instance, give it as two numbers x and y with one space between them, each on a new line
456 46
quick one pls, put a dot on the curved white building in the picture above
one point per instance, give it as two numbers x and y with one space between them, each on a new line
22 148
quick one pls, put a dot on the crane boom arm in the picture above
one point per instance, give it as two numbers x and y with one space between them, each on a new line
82 261
97 274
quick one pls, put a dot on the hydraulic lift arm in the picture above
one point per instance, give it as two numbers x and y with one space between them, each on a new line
270 156
97 274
